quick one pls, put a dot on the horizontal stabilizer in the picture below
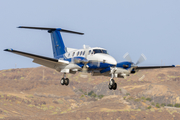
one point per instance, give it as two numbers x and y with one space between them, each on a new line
52 29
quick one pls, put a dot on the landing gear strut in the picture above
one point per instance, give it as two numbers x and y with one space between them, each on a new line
64 80
112 83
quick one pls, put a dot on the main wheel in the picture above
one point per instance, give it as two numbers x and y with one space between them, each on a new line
114 87
62 81
110 87
66 81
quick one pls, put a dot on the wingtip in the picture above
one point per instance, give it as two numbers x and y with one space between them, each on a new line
19 27
8 49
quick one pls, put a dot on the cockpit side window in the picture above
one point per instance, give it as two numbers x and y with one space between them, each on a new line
104 51
99 51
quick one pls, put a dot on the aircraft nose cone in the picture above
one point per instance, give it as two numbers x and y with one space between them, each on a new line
105 58
111 60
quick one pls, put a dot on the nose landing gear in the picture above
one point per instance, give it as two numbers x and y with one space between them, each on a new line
64 80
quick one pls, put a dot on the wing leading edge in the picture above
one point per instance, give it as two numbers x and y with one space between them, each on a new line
46 61
153 67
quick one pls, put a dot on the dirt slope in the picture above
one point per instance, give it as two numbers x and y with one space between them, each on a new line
36 93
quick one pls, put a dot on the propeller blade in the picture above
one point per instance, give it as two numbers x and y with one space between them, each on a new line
141 59
86 48
127 57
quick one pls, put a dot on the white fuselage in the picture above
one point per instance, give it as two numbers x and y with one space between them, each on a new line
93 54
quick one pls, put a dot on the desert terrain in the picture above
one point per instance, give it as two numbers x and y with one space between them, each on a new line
36 93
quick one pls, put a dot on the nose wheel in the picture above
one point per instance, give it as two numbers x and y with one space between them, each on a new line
112 84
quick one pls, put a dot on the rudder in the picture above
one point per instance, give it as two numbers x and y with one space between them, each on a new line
57 43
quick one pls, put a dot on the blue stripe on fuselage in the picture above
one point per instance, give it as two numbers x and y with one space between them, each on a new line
99 65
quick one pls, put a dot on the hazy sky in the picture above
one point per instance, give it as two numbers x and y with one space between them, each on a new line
151 27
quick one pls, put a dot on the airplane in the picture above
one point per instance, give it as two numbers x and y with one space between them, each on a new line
94 60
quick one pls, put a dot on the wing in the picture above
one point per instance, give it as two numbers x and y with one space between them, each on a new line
46 61
153 67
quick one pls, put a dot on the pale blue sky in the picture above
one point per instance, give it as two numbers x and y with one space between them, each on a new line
135 26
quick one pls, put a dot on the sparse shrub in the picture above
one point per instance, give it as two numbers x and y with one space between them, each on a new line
51 107
81 90
100 96
143 98
177 105
170 105
54 113
82 96
92 94
149 107
149 99
152 103
30 96
124 97
5 111
60 101
137 100
127 94
30 105
130 98
157 105
163 104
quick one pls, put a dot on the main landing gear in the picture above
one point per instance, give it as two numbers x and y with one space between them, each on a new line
64 80
112 84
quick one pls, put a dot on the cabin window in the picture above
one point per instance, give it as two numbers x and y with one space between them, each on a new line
73 53
81 53
77 53
68 54
89 51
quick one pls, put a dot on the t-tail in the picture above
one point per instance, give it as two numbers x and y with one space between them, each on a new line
56 39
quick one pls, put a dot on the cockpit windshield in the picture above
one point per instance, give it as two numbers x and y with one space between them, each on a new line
100 51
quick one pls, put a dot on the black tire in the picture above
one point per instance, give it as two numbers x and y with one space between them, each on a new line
111 82
66 82
110 87
62 81
114 86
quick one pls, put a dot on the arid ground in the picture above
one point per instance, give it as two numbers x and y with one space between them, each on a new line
36 93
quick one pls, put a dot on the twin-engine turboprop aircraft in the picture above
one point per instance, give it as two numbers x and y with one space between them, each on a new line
87 60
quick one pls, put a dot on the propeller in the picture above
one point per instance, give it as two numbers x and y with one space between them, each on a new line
141 59
85 62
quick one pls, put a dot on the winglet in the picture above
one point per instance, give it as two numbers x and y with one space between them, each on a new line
8 49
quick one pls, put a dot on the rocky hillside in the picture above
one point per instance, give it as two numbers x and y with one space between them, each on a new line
36 93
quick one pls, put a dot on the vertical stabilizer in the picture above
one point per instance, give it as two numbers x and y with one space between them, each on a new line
57 43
